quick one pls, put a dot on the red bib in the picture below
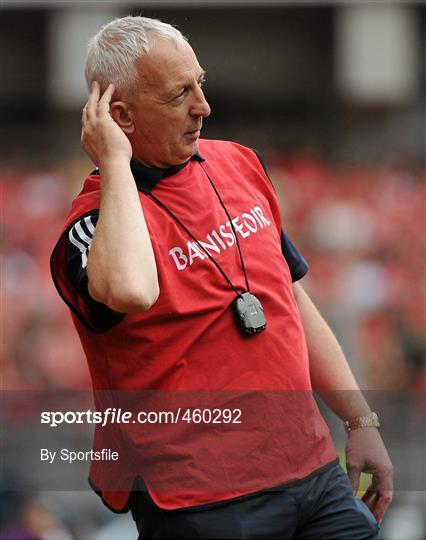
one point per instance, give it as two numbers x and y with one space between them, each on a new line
187 353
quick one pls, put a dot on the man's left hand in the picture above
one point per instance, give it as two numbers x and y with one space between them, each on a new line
365 452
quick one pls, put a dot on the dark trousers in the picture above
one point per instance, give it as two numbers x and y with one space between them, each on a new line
321 507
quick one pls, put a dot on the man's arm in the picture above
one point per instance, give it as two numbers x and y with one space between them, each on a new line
332 377
121 268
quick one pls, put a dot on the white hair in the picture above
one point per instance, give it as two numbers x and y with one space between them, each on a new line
112 52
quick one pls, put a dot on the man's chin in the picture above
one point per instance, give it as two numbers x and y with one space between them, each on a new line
185 154
189 150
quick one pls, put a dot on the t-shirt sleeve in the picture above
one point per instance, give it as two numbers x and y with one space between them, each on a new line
295 260
79 242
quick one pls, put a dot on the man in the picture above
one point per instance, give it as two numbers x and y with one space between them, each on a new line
181 281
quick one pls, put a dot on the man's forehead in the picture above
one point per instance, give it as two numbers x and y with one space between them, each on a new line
168 64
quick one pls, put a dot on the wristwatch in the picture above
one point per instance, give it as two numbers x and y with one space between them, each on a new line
370 420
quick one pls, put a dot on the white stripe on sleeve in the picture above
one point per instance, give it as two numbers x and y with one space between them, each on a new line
89 225
80 239
81 234
80 246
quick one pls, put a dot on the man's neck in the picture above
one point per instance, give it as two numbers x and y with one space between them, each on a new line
158 165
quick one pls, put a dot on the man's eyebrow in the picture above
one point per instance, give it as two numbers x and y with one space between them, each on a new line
184 85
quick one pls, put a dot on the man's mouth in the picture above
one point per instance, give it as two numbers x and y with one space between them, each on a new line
195 133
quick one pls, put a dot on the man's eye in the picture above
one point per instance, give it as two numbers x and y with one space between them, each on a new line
185 90
181 93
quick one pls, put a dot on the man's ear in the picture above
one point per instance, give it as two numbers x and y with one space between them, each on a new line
119 111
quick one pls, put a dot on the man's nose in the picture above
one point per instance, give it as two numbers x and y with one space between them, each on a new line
200 106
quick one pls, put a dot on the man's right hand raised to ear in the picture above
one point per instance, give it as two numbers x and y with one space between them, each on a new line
121 268
101 137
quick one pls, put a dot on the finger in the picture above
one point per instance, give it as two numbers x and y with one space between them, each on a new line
383 480
89 151
384 498
93 100
370 498
354 473
103 105
84 115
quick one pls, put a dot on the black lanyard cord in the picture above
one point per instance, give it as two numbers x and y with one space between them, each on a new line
197 242
230 222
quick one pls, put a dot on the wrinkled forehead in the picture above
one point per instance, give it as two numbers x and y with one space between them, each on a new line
166 65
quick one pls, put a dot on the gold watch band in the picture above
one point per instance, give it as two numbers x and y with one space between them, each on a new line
370 420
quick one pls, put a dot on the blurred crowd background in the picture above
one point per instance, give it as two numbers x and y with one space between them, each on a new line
333 96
